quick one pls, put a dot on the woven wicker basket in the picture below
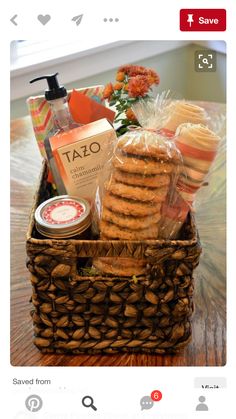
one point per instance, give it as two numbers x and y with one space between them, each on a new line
79 314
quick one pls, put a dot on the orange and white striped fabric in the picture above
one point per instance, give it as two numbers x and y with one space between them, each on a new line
198 146
180 112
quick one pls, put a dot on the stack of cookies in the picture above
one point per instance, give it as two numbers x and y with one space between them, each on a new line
142 173
143 166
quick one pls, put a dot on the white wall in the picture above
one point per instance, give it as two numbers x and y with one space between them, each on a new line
176 70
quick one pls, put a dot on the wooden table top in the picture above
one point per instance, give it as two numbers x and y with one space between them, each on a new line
207 347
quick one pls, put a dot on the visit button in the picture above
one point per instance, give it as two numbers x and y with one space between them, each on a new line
202 19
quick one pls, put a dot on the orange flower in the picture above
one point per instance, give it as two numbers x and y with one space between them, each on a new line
130 115
139 70
132 70
108 90
118 86
126 87
120 76
124 68
138 86
152 77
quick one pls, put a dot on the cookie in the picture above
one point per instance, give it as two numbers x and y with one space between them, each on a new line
131 164
155 181
137 193
120 266
149 144
130 222
128 207
112 231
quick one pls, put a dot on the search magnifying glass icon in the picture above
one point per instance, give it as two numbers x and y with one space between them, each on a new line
87 401
205 61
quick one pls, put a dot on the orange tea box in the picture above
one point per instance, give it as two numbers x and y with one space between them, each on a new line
80 155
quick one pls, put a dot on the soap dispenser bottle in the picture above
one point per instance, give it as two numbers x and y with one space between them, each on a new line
56 96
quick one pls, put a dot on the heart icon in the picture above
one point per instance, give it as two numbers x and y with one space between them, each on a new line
44 19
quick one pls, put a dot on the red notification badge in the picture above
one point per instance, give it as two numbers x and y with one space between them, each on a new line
156 395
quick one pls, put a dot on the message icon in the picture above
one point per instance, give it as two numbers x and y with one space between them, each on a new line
146 403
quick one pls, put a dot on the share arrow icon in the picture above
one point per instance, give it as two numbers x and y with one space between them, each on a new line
77 19
13 20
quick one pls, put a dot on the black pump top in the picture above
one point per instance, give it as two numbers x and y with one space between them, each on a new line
55 91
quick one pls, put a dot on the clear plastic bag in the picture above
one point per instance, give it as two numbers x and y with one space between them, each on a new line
143 170
168 111
198 146
143 173
144 196
179 112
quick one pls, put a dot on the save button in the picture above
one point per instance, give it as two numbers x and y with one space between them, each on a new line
202 20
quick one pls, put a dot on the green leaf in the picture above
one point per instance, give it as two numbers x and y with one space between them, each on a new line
112 102
118 114
132 100
118 134
122 130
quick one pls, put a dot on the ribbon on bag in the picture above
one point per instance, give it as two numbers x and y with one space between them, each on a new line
162 131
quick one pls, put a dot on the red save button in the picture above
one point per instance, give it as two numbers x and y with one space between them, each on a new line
202 19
